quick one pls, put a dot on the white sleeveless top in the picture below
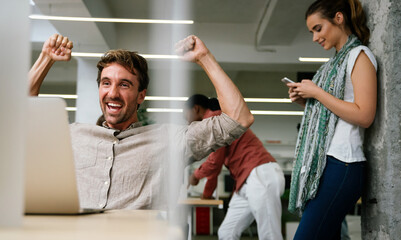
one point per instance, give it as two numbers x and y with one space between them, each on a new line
347 142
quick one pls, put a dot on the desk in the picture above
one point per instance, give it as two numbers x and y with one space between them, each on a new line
198 202
110 225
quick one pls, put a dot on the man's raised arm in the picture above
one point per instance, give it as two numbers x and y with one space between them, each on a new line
231 101
56 48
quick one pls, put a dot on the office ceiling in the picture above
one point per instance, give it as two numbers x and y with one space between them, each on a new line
268 35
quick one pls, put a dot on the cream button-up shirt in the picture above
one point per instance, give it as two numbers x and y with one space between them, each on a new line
129 169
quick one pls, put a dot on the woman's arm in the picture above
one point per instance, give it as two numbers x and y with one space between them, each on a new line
360 112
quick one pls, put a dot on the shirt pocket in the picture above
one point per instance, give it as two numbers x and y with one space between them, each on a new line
85 154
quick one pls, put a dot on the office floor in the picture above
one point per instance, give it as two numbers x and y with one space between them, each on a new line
354 228
215 237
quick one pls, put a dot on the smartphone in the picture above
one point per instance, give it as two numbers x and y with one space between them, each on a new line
287 80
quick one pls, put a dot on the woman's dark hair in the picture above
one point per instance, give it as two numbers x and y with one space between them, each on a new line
203 101
354 16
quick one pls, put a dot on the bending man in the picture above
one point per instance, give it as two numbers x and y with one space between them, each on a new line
259 179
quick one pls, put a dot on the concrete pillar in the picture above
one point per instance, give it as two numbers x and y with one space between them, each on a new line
381 211
88 108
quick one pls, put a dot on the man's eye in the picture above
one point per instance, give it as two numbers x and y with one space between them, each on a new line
105 83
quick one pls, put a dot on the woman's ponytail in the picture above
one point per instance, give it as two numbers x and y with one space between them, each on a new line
358 21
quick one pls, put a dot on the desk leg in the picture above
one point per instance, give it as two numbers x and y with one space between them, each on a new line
211 221
189 219
205 217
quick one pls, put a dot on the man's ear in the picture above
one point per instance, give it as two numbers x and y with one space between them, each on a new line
196 109
141 96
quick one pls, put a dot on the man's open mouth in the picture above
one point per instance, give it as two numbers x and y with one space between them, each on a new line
114 106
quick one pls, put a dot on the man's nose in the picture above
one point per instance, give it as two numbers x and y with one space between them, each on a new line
113 92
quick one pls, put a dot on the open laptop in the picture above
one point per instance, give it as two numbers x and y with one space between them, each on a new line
50 183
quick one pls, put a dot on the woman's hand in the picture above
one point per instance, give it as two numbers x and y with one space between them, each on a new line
295 97
305 89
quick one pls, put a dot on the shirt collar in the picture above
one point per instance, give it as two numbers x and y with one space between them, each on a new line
209 113
132 126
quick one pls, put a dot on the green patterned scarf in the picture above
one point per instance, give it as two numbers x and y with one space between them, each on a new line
317 130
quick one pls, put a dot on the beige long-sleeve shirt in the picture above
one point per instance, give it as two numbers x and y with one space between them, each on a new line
129 169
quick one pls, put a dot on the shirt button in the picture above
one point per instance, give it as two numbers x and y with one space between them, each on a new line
109 158
106 183
115 142
100 205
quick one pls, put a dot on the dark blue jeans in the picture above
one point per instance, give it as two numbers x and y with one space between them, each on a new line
340 187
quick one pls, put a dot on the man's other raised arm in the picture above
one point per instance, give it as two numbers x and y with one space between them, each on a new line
56 48
231 101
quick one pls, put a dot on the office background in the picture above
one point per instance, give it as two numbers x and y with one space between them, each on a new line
257 43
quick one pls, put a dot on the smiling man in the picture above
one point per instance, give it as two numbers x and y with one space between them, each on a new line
121 87
122 164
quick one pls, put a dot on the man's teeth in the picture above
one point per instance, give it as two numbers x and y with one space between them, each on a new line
114 105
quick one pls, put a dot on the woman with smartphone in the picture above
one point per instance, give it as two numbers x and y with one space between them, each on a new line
340 102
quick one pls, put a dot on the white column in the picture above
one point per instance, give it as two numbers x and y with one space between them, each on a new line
88 108
14 39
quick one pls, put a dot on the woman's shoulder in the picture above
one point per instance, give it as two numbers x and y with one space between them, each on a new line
355 52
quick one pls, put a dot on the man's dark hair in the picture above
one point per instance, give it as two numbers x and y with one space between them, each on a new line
203 101
129 60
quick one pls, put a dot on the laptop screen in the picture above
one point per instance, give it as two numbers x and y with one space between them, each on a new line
50 183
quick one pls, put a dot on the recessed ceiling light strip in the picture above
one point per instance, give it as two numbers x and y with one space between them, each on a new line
161 98
182 99
71 109
290 113
147 56
255 112
268 100
179 110
86 54
309 59
112 20
65 96
164 110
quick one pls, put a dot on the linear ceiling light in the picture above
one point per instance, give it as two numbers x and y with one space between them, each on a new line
157 98
86 54
113 20
159 56
71 109
165 110
65 96
147 56
255 112
180 110
291 113
260 100
182 99
268 100
309 59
